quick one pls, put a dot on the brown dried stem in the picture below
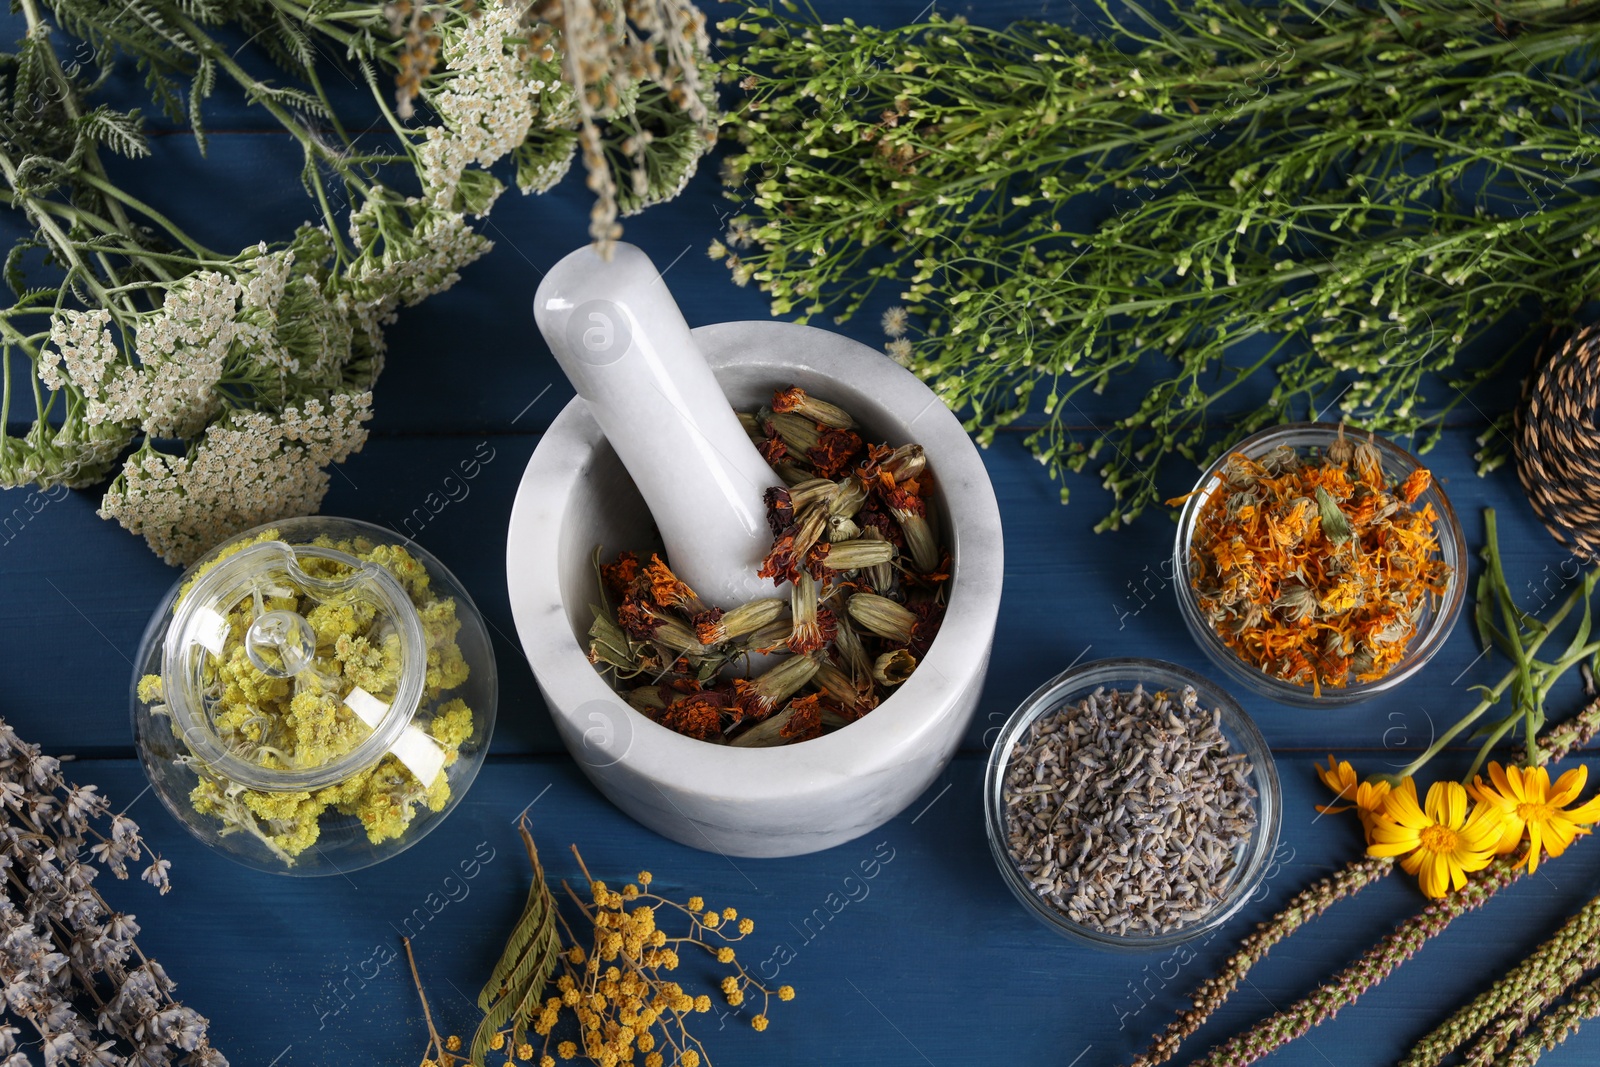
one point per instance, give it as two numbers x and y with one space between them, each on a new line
1368 970
1555 743
1555 1027
436 1049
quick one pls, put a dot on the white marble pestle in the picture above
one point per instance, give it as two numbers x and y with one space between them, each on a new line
624 345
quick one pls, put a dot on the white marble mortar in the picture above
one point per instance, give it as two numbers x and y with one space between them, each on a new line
784 801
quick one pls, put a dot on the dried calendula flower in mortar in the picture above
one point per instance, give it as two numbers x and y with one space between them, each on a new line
1315 569
855 541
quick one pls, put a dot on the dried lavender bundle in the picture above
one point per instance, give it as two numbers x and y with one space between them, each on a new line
1555 1027
1555 743
69 966
1516 999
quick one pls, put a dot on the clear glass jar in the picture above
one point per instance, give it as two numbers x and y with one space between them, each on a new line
314 696
1312 439
1253 856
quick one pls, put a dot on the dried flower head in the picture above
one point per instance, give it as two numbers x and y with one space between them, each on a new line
69 967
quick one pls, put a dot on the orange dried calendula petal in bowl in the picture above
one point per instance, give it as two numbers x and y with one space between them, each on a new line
1322 565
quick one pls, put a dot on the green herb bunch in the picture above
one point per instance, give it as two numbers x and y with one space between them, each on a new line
1345 192
223 382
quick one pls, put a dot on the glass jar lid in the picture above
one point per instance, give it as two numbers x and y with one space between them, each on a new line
338 637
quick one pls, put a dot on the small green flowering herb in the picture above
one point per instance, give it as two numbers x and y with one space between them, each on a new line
1344 193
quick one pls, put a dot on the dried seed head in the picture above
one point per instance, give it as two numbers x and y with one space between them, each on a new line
884 617
842 528
892 668
780 509
848 499
853 699
797 400
669 591
760 697
849 555
812 492
847 643
742 620
800 434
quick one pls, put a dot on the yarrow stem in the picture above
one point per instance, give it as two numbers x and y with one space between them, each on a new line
259 364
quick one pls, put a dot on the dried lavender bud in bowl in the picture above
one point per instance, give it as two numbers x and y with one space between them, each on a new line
1131 804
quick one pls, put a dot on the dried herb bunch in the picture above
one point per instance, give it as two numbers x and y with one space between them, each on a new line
637 64
1316 569
854 540
235 377
68 963
1343 193
616 994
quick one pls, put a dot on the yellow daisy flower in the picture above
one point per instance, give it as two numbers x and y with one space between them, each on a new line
1528 803
1365 797
1441 841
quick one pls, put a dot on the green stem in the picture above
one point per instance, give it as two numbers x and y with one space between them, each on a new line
114 194
1528 690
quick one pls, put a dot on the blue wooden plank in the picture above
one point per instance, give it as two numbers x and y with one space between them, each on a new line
83 591
929 960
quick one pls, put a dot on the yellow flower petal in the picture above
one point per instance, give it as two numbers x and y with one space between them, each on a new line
1434 877
1337 776
1446 803
1401 806
1392 848
1568 786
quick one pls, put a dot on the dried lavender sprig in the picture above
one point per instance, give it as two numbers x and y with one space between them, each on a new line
1517 997
1555 1027
1368 970
61 945
1554 743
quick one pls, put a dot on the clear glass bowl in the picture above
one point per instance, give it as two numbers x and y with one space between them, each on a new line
1074 684
314 696
1438 617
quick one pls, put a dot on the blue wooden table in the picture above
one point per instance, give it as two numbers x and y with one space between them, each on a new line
930 961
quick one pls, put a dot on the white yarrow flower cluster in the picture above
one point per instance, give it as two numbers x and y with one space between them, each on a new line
88 353
263 290
487 109
250 468
181 351
406 271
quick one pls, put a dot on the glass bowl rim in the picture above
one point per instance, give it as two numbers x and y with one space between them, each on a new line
468 767
1242 732
1423 645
